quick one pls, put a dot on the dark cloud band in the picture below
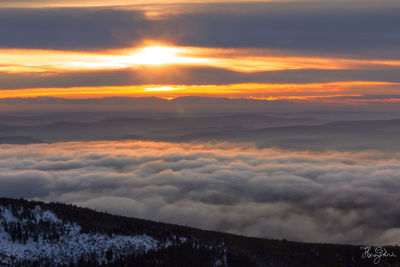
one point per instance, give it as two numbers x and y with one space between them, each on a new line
362 28
70 29
188 76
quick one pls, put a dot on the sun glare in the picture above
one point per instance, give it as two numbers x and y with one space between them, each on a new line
162 89
158 55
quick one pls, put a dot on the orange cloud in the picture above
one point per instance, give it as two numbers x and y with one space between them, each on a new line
240 60
103 3
256 91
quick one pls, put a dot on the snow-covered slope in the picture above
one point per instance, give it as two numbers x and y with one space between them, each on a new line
34 233
68 244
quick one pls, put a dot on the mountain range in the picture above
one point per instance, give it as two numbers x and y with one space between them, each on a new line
263 130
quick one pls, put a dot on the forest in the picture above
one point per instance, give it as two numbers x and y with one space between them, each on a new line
175 245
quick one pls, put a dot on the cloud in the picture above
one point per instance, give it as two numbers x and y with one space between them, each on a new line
70 28
102 3
205 105
364 29
307 196
187 76
322 26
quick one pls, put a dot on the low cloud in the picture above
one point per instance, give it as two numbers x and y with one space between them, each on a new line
339 197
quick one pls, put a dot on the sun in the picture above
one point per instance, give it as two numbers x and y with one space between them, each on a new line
158 55
162 89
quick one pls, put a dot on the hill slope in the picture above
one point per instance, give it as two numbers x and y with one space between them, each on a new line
54 234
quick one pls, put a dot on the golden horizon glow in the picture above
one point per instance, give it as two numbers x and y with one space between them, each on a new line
104 3
159 60
27 60
162 89
248 90
239 60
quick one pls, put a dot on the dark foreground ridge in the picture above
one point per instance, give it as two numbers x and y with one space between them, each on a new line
38 234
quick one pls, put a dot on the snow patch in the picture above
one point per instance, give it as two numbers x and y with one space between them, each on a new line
71 244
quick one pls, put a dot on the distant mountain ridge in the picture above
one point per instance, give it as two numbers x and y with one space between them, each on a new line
262 130
144 127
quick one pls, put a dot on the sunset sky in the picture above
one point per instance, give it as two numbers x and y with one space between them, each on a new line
274 119
269 50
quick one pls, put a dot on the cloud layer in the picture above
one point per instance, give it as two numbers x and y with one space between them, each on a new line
315 197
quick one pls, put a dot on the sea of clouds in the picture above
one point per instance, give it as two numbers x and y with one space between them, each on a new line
336 197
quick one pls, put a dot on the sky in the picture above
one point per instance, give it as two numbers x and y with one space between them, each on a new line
311 61
329 51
